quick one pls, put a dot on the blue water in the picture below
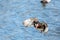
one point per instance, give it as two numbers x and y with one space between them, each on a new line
14 12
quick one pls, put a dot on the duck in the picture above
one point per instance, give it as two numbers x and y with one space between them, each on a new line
43 27
44 2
